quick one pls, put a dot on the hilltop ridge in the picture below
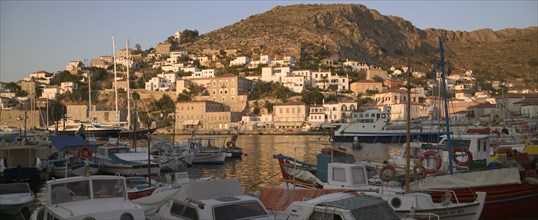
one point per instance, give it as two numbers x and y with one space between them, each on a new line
355 32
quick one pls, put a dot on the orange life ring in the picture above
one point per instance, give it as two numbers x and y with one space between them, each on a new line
422 169
463 150
387 178
438 161
84 153
230 144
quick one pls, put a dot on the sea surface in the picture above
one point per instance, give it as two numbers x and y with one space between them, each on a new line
257 168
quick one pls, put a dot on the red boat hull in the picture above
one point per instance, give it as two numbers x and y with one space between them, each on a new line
140 193
512 201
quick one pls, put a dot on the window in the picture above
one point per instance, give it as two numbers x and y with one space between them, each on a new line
324 215
108 188
214 83
249 209
183 211
344 107
339 174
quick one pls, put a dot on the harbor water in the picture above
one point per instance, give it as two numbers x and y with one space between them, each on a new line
257 168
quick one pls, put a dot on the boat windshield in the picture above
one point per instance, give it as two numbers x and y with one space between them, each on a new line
243 210
14 188
108 188
71 191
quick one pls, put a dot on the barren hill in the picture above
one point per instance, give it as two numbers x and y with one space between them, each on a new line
352 31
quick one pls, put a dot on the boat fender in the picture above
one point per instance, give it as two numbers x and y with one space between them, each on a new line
462 150
438 161
192 145
419 171
84 153
384 177
230 144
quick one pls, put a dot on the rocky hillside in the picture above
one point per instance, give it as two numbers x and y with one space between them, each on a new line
352 31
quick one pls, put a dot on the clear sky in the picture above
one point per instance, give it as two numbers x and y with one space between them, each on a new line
45 35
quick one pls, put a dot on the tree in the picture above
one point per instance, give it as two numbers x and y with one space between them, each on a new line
371 92
269 106
182 97
64 76
282 93
13 87
378 79
311 96
165 103
138 48
21 93
188 36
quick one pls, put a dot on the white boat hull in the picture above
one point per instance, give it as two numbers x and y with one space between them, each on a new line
209 158
130 170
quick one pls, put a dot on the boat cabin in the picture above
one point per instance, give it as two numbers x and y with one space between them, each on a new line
372 116
347 175
212 199
89 197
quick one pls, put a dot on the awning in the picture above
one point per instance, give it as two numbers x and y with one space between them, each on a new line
191 122
61 142
296 124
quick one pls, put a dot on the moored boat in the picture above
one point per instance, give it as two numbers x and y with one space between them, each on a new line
138 187
210 199
88 197
120 160
312 204
16 199
372 126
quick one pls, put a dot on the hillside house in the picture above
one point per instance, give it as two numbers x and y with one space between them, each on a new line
362 86
290 115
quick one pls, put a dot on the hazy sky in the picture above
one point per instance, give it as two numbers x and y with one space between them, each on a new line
45 35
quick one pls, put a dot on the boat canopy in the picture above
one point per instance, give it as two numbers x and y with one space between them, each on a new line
62 142
194 191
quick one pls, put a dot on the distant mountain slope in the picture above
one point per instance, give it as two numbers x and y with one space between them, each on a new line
352 31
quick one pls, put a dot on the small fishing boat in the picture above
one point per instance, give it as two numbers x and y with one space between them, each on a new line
324 204
88 197
121 160
138 187
16 199
211 199
73 157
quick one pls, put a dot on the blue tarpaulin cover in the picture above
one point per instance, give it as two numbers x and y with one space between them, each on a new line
61 142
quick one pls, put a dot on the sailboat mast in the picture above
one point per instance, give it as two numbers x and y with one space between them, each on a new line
408 146
128 87
90 96
115 79
445 95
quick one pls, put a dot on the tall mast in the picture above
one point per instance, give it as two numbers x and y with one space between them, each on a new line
128 87
445 95
115 81
408 146
90 96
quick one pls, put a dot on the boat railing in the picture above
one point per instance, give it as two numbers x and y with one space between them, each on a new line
422 216
448 196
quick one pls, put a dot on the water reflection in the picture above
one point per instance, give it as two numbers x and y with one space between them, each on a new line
257 168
